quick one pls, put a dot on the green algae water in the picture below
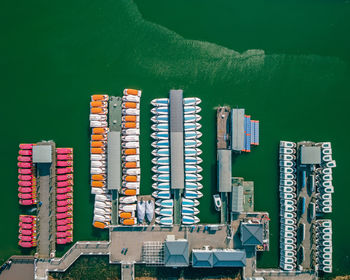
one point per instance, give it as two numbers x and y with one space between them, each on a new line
286 62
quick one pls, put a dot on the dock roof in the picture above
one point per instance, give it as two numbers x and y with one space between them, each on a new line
42 154
224 170
176 253
237 199
310 155
202 258
251 234
229 258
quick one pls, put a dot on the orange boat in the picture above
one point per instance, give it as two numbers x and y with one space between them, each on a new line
99 97
128 191
130 178
129 222
99 225
129 91
130 118
98 137
98 110
131 164
97 150
130 105
125 215
98 104
130 125
97 144
130 152
98 177
97 184
100 130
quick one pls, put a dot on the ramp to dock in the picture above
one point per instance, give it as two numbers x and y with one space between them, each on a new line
127 271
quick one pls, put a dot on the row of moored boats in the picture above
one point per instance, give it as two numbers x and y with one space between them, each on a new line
27 231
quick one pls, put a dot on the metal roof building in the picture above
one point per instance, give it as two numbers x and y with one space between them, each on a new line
251 234
310 155
202 258
229 258
176 139
224 170
42 153
113 160
237 129
237 199
176 253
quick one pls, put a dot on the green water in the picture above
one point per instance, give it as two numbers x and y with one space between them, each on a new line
295 79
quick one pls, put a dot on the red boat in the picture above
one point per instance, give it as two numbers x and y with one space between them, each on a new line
69 239
26 231
65 157
63 184
25 183
25 225
25 195
24 158
63 234
24 164
63 209
65 228
64 196
25 146
64 190
25 152
27 201
27 218
25 244
25 189
64 150
64 202
64 215
25 177
27 238
64 170
64 177
65 221
61 241
62 163
25 171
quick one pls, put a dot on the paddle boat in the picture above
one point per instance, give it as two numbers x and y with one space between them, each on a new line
190 220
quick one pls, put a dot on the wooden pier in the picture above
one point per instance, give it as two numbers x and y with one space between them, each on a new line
222 115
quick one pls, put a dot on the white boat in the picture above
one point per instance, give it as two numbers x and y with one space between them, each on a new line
130 131
131 158
161 194
287 182
127 207
331 164
130 112
102 219
326 256
326 145
141 211
289 241
191 110
327 243
97 157
287 189
161 110
327 171
130 145
130 138
217 202
131 185
166 211
193 160
287 195
161 186
189 202
101 197
193 186
132 171
161 160
192 135
326 223
288 266
149 210
192 118
160 119
165 221
288 260
161 144
191 101
99 190
190 220
287 176
127 199
101 204
191 152
160 102
287 169
289 215
193 168
131 98
192 177
165 127
288 151
287 157
289 202
327 269
193 194
287 144
101 211
289 208
163 169
98 124
327 158
165 202
163 135
327 209
327 151
160 152
189 211
289 253
98 163
289 247
326 184
161 178
328 190
97 117
287 163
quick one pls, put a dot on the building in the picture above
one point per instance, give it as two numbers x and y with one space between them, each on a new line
251 234
224 170
310 155
176 253
237 199
202 258
229 258
237 129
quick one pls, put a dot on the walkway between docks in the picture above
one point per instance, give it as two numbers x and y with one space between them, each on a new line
128 271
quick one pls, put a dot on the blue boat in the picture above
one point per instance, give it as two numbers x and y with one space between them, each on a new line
189 211
189 126
161 144
189 202
163 110
193 160
191 101
193 194
161 178
192 134
191 110
160 152
160 102
191 152
160 119
160 127
192 118
190 220
161 186
164 169
193 168
303 200
193 186
165 221
165 202
161 161
191 177
166 211
304 179
162 135
161 194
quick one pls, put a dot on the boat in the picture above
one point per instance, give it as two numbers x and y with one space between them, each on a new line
164 169
141 211
326 145
131 98
217 202
288 195
130 131
129 221
61 163
98 190
62 184
288 151
131 119
327 184
286 163
98 184
133 158
160 152
331 164
287 176
98 144
25 171
25 189
60 216
126 125
102 198
64 177
27 238
126 215
25 225
64 170
160 135
131 178
131 112
131 185
166 221
26 146
190 135
150 210
165 202
193 186
193 160
327 151
65 227
191 101
63 209
287 144
189 202
189 211
160 144
130 105
190 177
98 123
327 158
190 220
131 145
27 201
160 119
287 157
25 152
24 164
193 168
161 178
65 157
102 211
99 97
327 171
192 152
100 130
64 196
132 171
127 207
29 232
64 202
192 143
103 104
65 221
126 191
102 218
160 102
191 110
161 186
287 170
98 163
131 164
287 182
160 110
27 218
24 158
166 211
97 117
25 244
127 199
161 194
26 195
26 183
135 92
130 138
161 160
